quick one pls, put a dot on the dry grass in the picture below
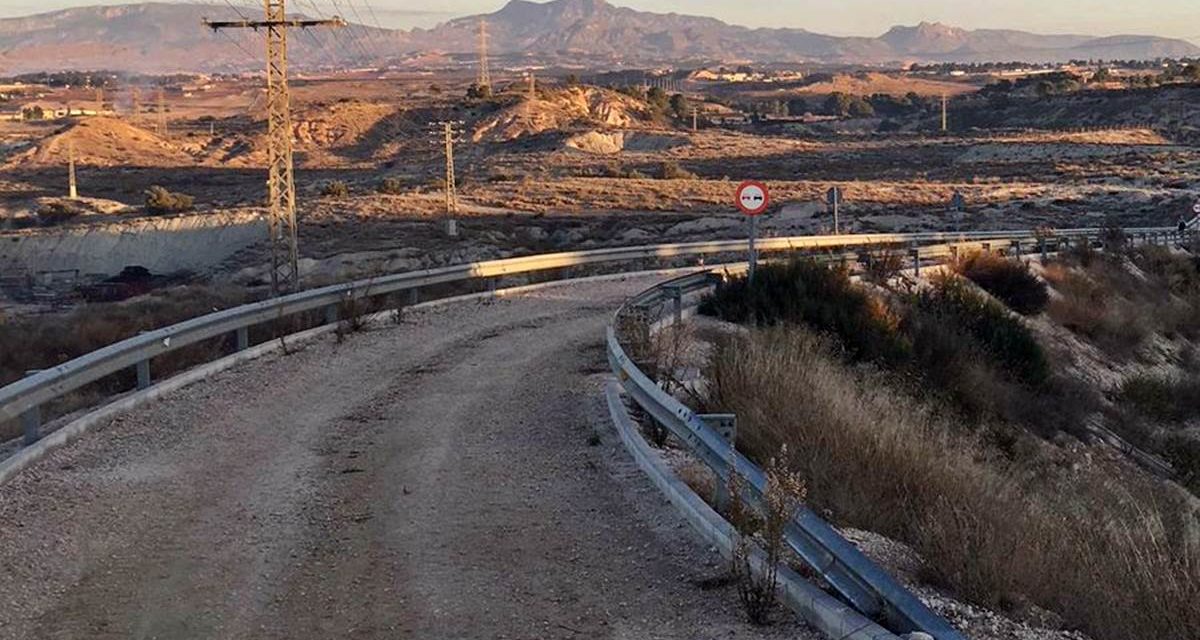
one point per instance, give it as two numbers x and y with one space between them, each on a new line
1117 561
1010 281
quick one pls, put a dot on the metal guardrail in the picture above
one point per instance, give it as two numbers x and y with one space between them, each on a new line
859 581
24 398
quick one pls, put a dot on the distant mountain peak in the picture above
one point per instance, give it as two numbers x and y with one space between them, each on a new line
167 37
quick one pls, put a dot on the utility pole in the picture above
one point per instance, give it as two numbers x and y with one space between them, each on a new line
161 125
281 183
695 119
72 190
532 86
99 101
945 116
449 132
137 103
485 73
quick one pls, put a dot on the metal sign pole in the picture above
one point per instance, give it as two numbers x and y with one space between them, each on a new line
753 248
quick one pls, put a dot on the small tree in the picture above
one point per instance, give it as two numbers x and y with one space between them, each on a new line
335 189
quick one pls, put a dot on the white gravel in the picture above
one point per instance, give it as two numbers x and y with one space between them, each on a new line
431 480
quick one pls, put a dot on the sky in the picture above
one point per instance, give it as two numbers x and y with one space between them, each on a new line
1174 18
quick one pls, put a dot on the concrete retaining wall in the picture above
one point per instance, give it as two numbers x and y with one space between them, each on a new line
162 245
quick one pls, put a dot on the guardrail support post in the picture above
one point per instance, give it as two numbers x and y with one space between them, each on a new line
31 424
1042 249
143 375
331 314
987 247
414 297
916 258
242 337
1016 247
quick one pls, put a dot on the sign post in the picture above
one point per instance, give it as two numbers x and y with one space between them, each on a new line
958 204
833 198
753 200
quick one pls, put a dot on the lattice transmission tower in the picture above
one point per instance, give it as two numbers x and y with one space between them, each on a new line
446 134
485 72
281 183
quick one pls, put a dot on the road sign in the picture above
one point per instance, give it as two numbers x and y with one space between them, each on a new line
834 196
753 198
958 202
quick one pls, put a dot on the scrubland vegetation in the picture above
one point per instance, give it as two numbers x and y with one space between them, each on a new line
936 417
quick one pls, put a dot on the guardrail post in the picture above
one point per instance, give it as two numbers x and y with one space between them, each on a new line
31 424
1016 247
1042 249
331 314
916 258
242 338
987 247
143 375
414 297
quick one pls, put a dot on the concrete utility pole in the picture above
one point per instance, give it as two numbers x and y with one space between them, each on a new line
72 190
137 103
281 183
695 119
99 101
532 86
448 132
945 115
485 73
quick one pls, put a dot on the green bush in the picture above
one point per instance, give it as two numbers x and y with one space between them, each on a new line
804 291
1163 398
672 171
58 212
1009 281
161 201
335 189
391 186
951 300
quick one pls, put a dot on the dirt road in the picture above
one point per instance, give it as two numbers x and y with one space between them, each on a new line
431 480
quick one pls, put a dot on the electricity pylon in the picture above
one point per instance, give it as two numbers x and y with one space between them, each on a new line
485 73
446 134
281 182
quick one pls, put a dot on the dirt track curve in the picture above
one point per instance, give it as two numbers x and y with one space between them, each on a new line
428 480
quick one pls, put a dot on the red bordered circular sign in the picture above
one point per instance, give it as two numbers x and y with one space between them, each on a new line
753 198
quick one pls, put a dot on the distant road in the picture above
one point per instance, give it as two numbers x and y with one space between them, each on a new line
431 480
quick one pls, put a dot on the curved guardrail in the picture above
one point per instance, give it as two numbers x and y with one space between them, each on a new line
24 398
859 581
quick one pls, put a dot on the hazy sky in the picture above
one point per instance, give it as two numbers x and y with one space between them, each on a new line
1178 18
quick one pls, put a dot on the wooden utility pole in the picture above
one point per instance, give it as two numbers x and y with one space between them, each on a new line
281 182
485 72
72 190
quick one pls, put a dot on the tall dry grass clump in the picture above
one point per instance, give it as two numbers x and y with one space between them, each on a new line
1118 562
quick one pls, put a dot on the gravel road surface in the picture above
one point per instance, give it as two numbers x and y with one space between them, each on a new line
430 480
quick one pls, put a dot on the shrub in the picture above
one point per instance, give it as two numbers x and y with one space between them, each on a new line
58 212
391 186
335 189
1163 398
161 201
1112 559
672 171
952 301
1010 281
804 291
880 267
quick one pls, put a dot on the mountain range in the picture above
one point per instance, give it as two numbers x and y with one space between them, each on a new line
161 37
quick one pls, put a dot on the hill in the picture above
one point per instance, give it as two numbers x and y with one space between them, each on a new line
158 37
